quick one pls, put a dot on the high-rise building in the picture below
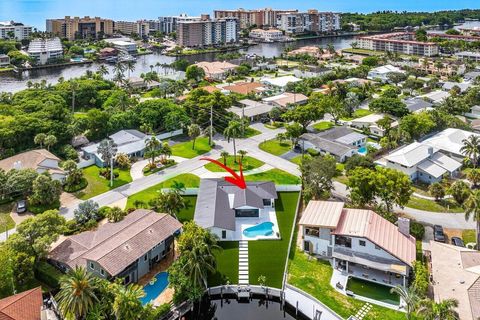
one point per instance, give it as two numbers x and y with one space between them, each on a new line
14 30
206 31
169 24
80 28
311 21
141 27
266 17
45 50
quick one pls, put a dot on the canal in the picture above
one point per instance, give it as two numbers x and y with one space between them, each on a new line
11 82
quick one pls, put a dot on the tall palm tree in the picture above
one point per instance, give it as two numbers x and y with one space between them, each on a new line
410 298
127 304
166 150
224 155
129 66
102 70
193 132
77 293
231 132
443 310
472 208
152 144
471 149
74 86
242 154
108 149
170 202
158 65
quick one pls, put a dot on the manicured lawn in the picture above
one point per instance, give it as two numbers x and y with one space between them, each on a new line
185 150
188 179
249 163
313 277
275 147
98 185
227 264
372 290
6 222
268 257
469 236
358 114
298 159
322 126
448 205
250 132
276 175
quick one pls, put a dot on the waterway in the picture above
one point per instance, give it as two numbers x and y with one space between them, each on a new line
11 82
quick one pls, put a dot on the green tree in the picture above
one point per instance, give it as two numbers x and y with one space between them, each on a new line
471 149
86 211
395 187
304 115
317 175
420 281
194 73
170 202
127 304
77 294
50 141
45 190
74 175
242 154
7 281
108 149
393 106
152 144
115 214
443 310
232 132
437 191
362 187
472 209
459 191
193 132
473 176
293 132
40 139
123 160
224 155
409 297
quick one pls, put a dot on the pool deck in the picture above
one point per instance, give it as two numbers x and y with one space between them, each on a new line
167 295
266 215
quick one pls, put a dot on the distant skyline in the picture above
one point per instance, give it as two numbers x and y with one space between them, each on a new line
34 12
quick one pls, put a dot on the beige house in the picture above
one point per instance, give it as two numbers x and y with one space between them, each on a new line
217 70
40 160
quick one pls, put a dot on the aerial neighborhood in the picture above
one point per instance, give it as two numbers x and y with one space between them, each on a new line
307 164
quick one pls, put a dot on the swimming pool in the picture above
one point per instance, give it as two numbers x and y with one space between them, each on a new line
262 229
154 288
362 150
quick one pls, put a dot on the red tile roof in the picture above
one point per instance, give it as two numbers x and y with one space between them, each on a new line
23 306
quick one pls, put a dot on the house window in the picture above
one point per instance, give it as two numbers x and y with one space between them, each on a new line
127 279
314 232
145 257
343 241
224 234
267 202
250 213
362 243
102 272
92 266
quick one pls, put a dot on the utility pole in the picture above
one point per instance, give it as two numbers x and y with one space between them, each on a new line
111 170
243 121
211 124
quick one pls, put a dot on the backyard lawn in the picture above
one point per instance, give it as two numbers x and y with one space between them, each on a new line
97 184
372 290
276 175
322 126
227 264
313 277
275 147
189 180
357 114
184 149
268 257
6 222
249 163
448 205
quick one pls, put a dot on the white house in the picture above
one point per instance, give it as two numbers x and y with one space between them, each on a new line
436 97
381 73
279 82
370 122
360 242
39 160
45 50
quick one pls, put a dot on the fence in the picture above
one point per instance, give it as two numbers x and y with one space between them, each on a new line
170 134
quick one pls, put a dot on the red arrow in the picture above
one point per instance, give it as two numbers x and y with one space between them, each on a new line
237 180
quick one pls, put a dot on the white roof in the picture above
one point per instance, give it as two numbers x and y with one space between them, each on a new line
411 154
386 69
464 86
432 169
436 96
280 81
449 140
350 138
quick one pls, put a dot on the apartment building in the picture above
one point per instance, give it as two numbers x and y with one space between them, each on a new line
168 24
141 27
80 28
266 17
14 30
311 21
206 32
270 35
400 42
43 51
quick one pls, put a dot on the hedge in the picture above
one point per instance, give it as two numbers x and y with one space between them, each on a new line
48 274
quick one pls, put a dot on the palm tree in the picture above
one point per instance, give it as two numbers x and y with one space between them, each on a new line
158 65
170 202
242 154
224 155
129 66
443 310
115 214
108 149
471 149
474 176
74 87
472 208
40 139
409 297
193 132
152 144
49 141
231 132
166 150
102 70
77 293
127 304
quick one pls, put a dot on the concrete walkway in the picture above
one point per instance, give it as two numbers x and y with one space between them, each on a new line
243 262
136 171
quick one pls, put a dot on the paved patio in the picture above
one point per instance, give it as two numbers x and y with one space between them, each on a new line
266 215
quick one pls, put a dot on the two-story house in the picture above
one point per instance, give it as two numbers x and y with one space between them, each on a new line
340 142
40 160
126 249
360 243
224 209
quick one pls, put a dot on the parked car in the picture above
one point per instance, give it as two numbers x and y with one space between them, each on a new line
438 234
21 206
456 241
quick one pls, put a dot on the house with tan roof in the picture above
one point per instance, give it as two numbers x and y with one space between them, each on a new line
360 243
217 70
126 249
456 275
40 160
286 99
245 88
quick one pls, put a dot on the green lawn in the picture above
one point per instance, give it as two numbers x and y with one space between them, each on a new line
298 159
227 264
268 257
357 114
276 175
373 291
249 163
6 222
185 150
448 205
97 184
188 179
275 147
313 277
322 126
469 236
250 132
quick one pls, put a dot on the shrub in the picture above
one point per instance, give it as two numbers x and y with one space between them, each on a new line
313 152
105 172
163 309
69 153
420 280
82 185
47 274
417 230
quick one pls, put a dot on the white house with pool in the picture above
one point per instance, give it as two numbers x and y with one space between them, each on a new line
233 213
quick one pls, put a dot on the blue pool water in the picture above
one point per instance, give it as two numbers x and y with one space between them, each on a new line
152 291
262 229
362 150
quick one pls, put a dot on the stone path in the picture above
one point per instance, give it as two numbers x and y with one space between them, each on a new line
363 311
243 262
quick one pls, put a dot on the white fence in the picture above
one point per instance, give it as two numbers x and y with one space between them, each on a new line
289 187
170 134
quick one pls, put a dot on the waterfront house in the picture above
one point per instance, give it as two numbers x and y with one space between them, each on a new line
126 249
40 160
360 242
43 51
227 211
340 142
217 70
